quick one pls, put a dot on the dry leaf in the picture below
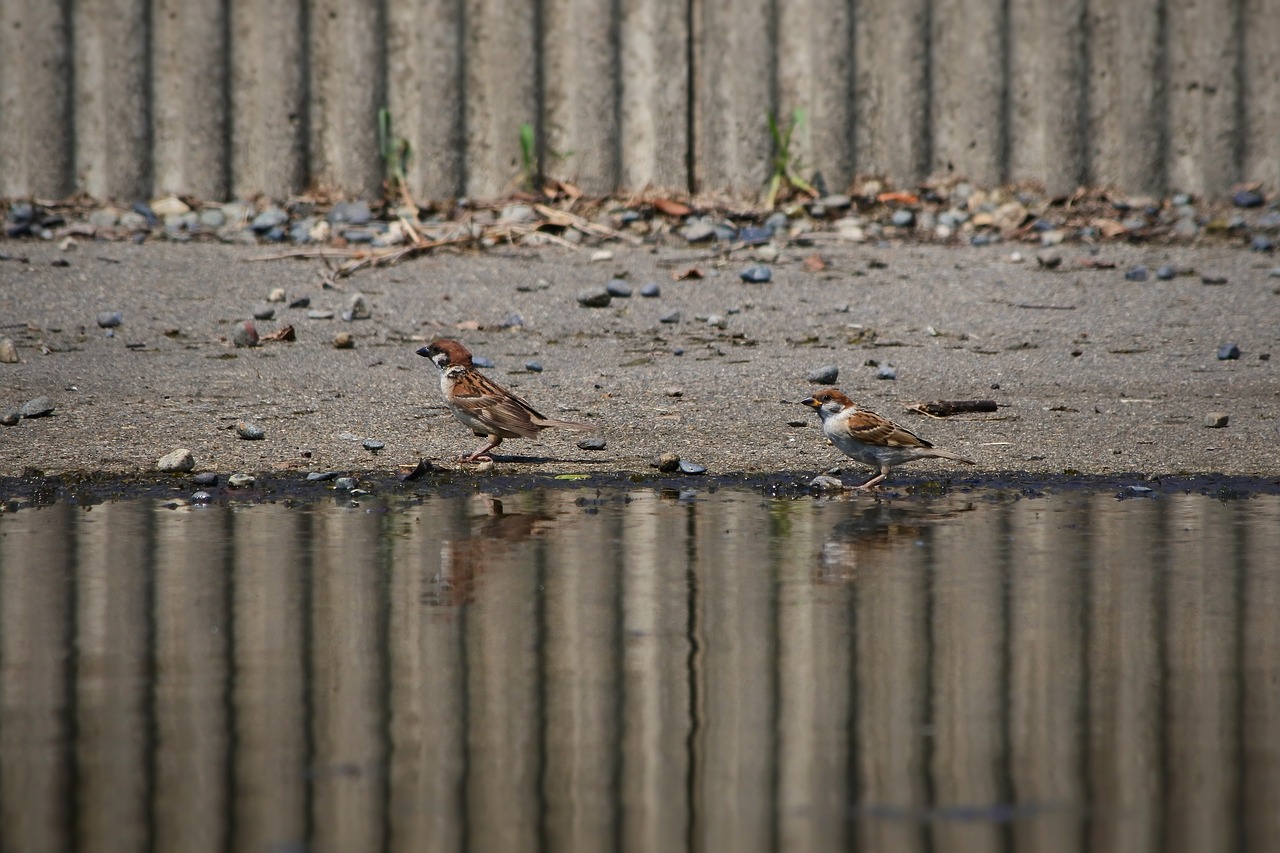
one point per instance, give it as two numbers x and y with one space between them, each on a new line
814 263
1109 227
691 274
899 196
284 333
467 326
671 208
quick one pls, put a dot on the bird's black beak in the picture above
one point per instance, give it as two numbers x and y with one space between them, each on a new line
425 352
810 402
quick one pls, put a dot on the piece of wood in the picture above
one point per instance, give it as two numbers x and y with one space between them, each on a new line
945 408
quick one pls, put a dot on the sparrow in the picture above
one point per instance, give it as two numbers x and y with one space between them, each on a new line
482 405
870 438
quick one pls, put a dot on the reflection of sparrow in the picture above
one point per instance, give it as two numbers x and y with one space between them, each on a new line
482 405
870 438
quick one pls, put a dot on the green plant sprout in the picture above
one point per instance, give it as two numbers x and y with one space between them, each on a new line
396 152
785 166
528 157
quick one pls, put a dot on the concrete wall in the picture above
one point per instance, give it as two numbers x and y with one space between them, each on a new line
133 98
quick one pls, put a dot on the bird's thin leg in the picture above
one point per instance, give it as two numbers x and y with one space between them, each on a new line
481 453
874 483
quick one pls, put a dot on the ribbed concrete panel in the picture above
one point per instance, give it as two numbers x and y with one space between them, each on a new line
346 79
967 76
1203 44
815 74
425 91
112 88
501 91
1261 92
580 93
1047 93
189 86
35 99
268 97
653 48
1127 95
891 112
733 91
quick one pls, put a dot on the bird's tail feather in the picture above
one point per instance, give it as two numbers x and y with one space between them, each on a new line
947 454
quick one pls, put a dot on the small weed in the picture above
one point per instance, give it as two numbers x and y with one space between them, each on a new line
785 165
395 151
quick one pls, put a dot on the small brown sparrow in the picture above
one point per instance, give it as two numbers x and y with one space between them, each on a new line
482 405
870 438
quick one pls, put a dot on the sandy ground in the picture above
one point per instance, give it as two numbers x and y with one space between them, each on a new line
1092 373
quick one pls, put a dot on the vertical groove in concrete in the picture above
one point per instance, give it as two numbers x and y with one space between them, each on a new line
579 54
733 95
268 118
891 113
346 78
189 88
1047 89
425 92
1204 87
1260 92
112 119
501 92
653 71
968 85
815 74
1127 96
35 99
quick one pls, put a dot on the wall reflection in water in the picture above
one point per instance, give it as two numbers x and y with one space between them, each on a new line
554 671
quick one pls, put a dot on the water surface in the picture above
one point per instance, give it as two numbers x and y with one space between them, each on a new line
643 670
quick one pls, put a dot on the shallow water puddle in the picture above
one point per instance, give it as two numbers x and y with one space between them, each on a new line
657 670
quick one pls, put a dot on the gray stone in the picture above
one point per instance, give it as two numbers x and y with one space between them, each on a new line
825 375
673 317
533 366
1166 273
212 218
345 484
594 443
321 476
1248 198
903 218
110 319
130 221
240 481
37 407
350 213
264 312
250 432
1136 274
206 478
824 483
245 334
1228 352
756 275
319 314
1049 259
358 307
778 221
10 417
1213 278
8 351
617 287
372 445
886 371
651 290
1216 420
482 361
106 217
201 497
716 321
667 462
179 460
595 297
698 231
687 467
272 217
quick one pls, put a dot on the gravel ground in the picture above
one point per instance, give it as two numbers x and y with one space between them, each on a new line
1092 372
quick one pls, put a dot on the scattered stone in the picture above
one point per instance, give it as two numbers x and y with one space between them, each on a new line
767 254
107 217
350 213
10 417
345 484
170 205
1136 274
594 443
594 297
1228 352
673 317
264 312
319 314
277 295
1248 198
601 255
1262 243
321 476
343 340
825 375
752 236
8 351
886 371
617 287
824 483
201 497
533 366
245 334
651 290
206 478
240 481
271 218
39 407
756 275
482 361
179 460
1216 420
674 392
372 445
1049 259
1213 278
110 319
903 218
667 462
687 467
212 218
698 231
512 321
301 302
717 321
358 308
250 432
1166 273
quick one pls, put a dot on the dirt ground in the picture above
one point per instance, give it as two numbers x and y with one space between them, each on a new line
1092 373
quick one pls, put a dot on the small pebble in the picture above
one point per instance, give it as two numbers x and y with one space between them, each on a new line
512 321
8 351
10 417
301 302
201 497
321 476
903 218
617 287
240 481
698 232
38 407
756 275
206 478
1136 274
885 371
1248 198
768 253
673 317
277 295
344 484
595 297
533 366
319 314
1166 273
1213 278
110 319
245 334
179 460
372 445
1262 243
824 483
651 290
687 467
717 321
594 443
825 375
601 255
666 462
264 312
358 308
343 340
674 392
1228 352
482 361
1216 420
753 236
350 213
250 432
1049 259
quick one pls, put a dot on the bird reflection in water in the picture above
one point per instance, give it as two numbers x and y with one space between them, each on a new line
872 531
493 533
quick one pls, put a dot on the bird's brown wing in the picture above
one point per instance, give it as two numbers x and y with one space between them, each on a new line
500 409
870 428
